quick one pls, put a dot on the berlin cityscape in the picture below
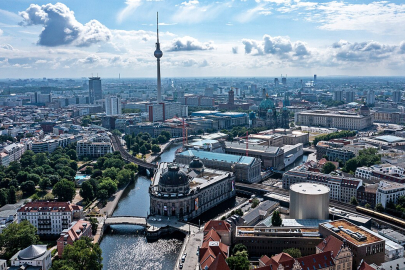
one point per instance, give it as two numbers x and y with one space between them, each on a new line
202 135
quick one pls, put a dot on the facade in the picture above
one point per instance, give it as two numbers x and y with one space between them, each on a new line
245 169
349 96
340 252
370 97
14 151
159 112
389 191
4 159
295 138
94 146
309 201
367 194
269 155
188 192
34 255
291 153
338 95
95 91
49 217
364 245
393 236
113 105
76 231
262 240
331 119
379 172
324 148
396 96
341 188
3 265
44 146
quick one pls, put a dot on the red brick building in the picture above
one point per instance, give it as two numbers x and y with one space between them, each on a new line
77 230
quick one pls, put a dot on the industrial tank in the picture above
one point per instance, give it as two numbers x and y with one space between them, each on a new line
309 201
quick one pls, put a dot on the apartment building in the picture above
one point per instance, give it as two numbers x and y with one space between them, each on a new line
94 146
389 191
76 231
50 218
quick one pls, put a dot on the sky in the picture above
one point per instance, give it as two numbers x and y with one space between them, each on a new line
78 38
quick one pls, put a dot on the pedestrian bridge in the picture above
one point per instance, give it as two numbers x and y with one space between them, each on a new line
125 220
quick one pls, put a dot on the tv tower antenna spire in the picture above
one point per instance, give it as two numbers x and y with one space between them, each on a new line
158 54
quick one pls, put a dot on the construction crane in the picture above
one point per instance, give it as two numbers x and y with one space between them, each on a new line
183 125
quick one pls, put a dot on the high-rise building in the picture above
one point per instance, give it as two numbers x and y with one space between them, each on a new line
396 96
371 97
158 54
284 80
113 105
276 82
349 96
338 95
231 97
315 78
95 91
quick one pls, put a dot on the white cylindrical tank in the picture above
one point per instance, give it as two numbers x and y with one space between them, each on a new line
309 201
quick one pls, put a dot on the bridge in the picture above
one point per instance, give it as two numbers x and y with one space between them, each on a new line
125 220
117 146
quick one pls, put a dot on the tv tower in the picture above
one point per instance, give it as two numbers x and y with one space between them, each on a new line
158 54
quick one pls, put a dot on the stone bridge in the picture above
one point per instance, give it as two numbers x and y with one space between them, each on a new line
125 220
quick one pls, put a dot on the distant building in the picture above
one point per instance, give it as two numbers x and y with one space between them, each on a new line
113 105
349 96
338 95
159 112
95 91
94 146
370 97
37 256
389 191
396 96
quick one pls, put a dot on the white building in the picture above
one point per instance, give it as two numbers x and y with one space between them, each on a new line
49 217
159 112
398 264
4 159
95 146
44 146
113 105
14 151
34 255
388 191
371 97
3 265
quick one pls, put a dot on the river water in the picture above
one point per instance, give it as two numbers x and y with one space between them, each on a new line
126 247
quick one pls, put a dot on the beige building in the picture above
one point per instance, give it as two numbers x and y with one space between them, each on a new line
333 119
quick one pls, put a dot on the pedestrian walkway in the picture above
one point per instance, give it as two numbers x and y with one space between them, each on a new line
191 246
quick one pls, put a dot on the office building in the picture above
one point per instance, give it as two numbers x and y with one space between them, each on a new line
284 80
349 96
159 112
338 95
364 245
389 191
95 91
113 105
332 119
370 97
396 96
326 148
50 218
276 82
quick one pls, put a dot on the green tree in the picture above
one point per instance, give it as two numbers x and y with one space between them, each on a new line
87 191
12 198
155 148
27 159
239 261
82 255
379 208
64 190
102 194
41 159
124 176
368 206
72 154
239 247
97 173
22 176
88 170
143 150
94 225
116 132
131 166
54 178
28 187
239 212
162 139
111 173
328 167
16 237
34 178
3 196
135 148
293 252
255 202
276 219
44 183
354 201
166 134
114 162
109 185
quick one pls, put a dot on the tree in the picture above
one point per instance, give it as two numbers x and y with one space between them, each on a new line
379 208
114 162
390 204
64 190
276 219
239 212
116 132
155 148
28 187
166 134
109 185
354 201
102 194
293 252
368 206
54 178
131 166
44 183
239 261
143 150
34 178
94 225
88 170
27 159
22 176
328 167
3 196
111 173
41 159
97 173
12 198
18 236
239 247
161 139
124 176
87 191
82 255
135 148
255 202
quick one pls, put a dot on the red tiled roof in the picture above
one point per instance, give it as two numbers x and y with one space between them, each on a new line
265 260
331 243
365 266
219 263
264 268
47 207
212 235
282 258
207 259
316 261
218 225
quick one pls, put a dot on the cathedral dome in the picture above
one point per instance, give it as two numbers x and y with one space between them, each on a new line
196 163
266 104
173 177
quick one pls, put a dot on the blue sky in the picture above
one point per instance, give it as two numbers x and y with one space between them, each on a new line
202 38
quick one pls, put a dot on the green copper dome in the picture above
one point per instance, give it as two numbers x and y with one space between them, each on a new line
266 104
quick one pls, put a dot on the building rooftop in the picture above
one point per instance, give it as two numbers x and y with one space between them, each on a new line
218 156
398 237
309 188
261 148
351 232
390 138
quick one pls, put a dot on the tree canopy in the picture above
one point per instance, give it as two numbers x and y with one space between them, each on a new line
64 190
293 252
276 219
328 167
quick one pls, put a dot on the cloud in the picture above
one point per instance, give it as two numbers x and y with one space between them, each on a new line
248 15
235 50
190 3
7 47
368 51
402 47
189 44
1 32
60 26
91 59
189 63
132 5
194 12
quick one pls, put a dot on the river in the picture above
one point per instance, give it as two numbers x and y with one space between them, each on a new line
126 248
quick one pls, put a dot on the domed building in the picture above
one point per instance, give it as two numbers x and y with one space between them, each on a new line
188 191
36 255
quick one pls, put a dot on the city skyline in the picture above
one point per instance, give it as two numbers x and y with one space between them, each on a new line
202 39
